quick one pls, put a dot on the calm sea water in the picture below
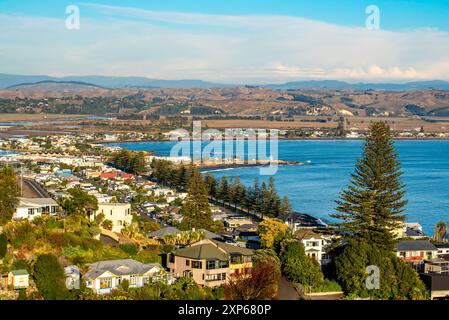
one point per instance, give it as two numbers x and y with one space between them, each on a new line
314 188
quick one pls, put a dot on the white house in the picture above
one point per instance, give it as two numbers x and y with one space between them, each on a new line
104 276
314 245
30 208
19 279
118 213
72 277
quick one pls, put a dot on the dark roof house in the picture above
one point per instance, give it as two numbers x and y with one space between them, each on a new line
161 233
211 249
415 245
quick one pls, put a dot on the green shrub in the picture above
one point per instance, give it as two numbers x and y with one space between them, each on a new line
398 280
298 267
328 286
3 246
50 278
20 233
148 256
130 248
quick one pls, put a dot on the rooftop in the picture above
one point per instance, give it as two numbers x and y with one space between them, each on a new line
20 272
161 233
415 245
211 249
119 267
36 202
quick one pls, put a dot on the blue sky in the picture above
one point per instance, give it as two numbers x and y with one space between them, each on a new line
396 14
250 41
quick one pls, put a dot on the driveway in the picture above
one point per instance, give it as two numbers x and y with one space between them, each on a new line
287 291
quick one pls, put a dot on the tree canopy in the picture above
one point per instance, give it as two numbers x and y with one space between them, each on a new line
272 231
370 208
297 266
9 193
196 209
50 278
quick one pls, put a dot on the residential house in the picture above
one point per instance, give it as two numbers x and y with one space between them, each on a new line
118 213
440 265
236 221
315 245
297 221
72 277
416 251
209 262
437 284
19 279
161 233
104 276
30 208
443 248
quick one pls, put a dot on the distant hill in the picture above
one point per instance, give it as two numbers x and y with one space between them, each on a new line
56 86
335 84
9 80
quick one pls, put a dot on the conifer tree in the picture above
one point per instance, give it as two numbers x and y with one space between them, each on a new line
255 197
236 192
196 208
211 184
223 190
9 193
285 208
370 208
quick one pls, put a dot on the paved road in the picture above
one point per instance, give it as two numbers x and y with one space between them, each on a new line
287 291
36 188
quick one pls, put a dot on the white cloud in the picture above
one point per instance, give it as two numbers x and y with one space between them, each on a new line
244 49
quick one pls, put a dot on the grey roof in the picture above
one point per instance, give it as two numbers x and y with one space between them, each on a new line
71 270
20 272
212 249
414 233
304 219
442 245
163 232
210 235
415 245
33 202
119 267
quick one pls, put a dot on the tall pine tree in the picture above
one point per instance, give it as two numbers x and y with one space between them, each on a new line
9 193
196 208
370 208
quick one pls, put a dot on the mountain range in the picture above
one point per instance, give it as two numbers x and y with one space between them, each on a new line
10 81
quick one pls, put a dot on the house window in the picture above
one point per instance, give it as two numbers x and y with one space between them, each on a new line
105 283
215 277
188 263
197 264
146 280
171 258
211 264
133 280
237 259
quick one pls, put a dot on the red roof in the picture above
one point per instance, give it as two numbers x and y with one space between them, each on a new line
127 176
108 175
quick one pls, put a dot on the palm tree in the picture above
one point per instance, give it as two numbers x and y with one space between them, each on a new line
170 239
440 231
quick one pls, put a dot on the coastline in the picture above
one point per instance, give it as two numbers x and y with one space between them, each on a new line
283 139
